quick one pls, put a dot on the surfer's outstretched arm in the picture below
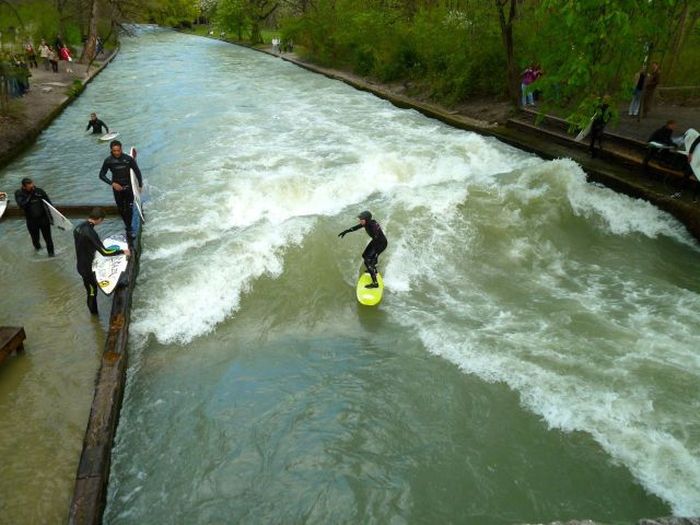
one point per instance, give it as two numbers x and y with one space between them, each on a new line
350 230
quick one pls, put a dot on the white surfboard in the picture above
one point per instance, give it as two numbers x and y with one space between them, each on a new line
585 131
58 220
3 204
690 136
109 136
109 269
135 187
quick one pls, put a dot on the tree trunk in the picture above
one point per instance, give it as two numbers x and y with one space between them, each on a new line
513 76
255 35
91 42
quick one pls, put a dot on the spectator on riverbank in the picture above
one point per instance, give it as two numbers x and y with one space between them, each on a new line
53 59
16 74
64 54
601 118
637 93
30 55
528 77
44 50
100 47
58 43
652 81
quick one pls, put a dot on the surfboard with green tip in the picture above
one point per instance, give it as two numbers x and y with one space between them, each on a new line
369 296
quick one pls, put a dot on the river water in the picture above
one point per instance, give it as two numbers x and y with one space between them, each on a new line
535 356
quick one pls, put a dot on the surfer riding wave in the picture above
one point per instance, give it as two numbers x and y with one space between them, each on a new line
376 246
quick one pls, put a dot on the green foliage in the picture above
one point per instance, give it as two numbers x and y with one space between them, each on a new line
599 47
75 89
173 13
454 49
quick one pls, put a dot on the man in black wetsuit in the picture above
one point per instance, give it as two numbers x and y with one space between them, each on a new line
120 164
87 242
29 198
376 246
601 117
663 136
96 125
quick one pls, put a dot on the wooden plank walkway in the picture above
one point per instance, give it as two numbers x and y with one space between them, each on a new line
11 340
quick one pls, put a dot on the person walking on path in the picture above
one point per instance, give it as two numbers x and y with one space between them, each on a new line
64 54
44 51
600 120
29 199
96 125
652 81
87 242
120 165
637 94
31 54
376 246
53 59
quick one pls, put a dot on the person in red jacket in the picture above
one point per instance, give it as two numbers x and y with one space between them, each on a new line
64 54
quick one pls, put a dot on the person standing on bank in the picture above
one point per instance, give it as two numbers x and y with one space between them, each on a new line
601 118
652 81
120 164
96 125
376 246
87 242
29 198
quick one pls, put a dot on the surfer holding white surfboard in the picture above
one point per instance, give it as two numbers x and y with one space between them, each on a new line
376 246
87 243
120 165
31 200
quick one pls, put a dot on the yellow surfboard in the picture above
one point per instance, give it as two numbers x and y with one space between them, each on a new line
369 296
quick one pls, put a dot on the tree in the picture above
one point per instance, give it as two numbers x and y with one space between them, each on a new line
259 11
91 42
506 22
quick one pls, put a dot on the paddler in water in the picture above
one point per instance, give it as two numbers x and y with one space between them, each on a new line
376 246
120 164
96 125
87 242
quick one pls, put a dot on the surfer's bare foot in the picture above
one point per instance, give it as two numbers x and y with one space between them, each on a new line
372 285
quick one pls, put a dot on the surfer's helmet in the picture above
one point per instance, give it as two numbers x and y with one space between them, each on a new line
365 215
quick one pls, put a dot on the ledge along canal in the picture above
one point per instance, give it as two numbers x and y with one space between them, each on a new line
535 356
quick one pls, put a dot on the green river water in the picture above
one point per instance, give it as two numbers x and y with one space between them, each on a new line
535 356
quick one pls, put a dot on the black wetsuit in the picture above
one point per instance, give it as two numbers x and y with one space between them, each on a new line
120 168
600 120
662 136
87 242
96 126
38 218
376 246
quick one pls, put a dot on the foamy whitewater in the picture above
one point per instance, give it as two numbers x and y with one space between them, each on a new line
583 301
